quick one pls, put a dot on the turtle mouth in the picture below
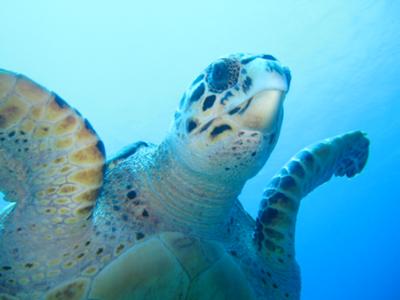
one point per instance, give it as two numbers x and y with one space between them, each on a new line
262 99
259 111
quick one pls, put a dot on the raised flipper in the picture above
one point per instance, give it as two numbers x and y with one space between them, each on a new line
275 227
51 159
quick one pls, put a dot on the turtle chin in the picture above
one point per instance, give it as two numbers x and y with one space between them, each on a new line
236 157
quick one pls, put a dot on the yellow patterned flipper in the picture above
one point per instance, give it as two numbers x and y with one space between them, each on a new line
51 159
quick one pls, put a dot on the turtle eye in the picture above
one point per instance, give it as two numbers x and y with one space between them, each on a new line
222 74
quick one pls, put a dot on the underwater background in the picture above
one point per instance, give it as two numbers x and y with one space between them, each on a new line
125 64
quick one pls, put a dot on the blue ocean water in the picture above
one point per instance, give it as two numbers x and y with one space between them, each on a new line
124 65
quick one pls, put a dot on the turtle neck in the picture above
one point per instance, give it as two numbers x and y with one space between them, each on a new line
192 201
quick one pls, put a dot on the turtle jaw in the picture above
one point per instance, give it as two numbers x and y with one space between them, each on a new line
259 112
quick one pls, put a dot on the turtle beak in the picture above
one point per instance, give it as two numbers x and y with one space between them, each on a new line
261 111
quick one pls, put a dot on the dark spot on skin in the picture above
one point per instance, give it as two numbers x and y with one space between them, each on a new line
283 201
200 77
269 274
191 125
198 92
2 139
269 215
80 255
268 56
286 295
28 265
206 126
61 103
145 213
220 129
274 285
6 268
307 158
246 106
248 59
125 217
288 183
131 195
226 97
275 182
296 169
116 207
234 111
254 154
247 84
87 243
139 235
99 251
19 229
227 169
233 253
11 134
209 102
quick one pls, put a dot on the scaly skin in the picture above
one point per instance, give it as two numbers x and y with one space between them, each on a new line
167 223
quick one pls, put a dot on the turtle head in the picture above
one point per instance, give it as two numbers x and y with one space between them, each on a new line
229 119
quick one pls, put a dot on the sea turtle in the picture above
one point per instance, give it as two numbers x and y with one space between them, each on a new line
158 222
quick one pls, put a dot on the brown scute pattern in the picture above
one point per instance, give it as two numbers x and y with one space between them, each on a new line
75 290
47 143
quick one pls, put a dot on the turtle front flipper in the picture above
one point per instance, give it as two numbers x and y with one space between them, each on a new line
51 159
344 155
